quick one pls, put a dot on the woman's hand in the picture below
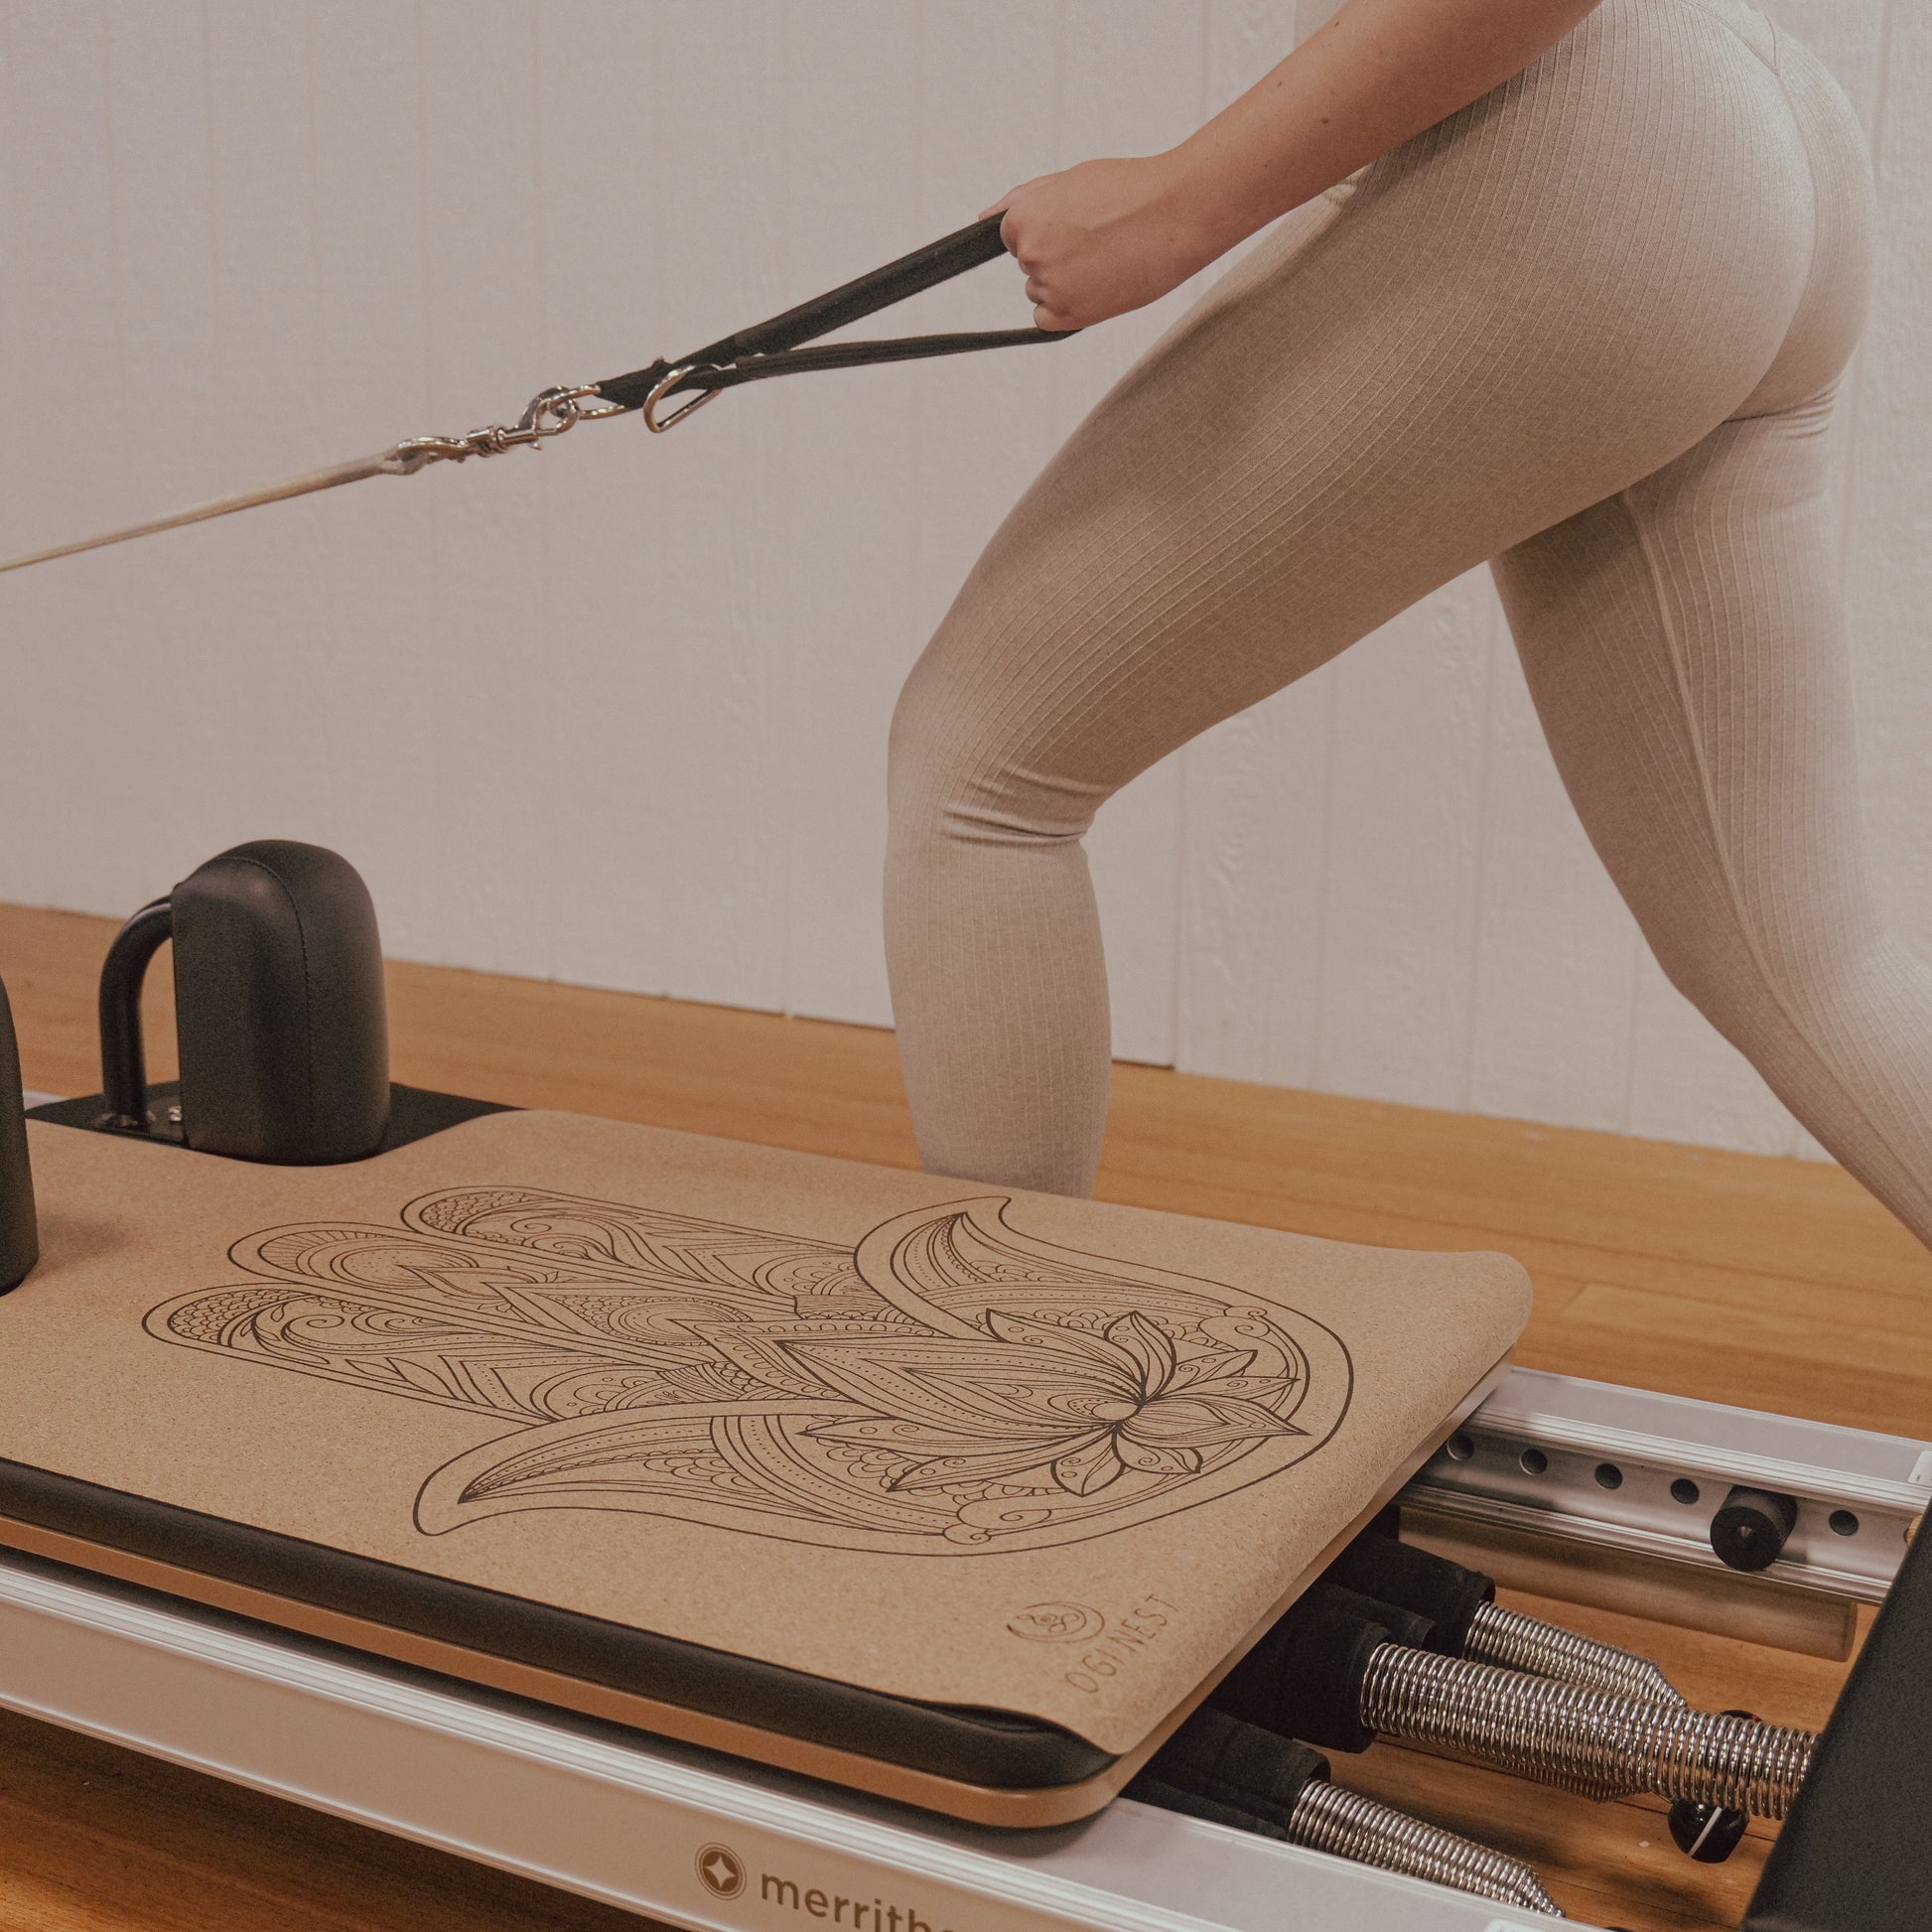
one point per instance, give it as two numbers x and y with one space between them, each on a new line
1105 237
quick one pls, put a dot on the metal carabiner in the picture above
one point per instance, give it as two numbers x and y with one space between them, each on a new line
552 411
549 413
665 385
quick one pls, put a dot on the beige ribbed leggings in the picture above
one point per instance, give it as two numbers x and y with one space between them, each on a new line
1589 330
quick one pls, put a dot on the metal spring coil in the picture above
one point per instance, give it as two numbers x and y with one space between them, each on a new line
1328 1819
1585 1740
1527 1643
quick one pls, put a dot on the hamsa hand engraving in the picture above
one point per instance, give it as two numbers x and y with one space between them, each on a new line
949 1385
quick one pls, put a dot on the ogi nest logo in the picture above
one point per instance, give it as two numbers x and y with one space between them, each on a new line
1057 1623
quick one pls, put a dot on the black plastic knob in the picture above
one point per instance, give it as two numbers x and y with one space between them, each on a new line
1752 1527
1707 1832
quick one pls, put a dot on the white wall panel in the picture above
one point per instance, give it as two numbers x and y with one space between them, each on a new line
850 582
619 714
1890 527
1405 852
366 749
1556 955
62 310
710 607
611 609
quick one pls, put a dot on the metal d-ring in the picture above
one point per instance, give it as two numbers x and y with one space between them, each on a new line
669 382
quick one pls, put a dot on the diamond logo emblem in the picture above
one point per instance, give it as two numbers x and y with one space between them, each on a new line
720 1870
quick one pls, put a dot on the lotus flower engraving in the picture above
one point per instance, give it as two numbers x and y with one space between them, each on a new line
951 1384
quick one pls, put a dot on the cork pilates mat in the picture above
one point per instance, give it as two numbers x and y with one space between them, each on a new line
910 1435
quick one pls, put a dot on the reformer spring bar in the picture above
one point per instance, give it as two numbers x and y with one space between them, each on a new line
766 348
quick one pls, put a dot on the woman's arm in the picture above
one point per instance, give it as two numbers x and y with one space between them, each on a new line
1110 235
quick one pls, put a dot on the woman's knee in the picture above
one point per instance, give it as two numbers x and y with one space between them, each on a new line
954 772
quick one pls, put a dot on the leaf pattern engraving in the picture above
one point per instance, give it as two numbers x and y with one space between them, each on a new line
951 1384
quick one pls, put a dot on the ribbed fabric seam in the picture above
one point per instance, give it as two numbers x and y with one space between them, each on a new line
1719 846
1711 14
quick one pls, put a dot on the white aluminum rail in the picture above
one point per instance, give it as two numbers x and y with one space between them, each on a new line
1633 1471
679 1835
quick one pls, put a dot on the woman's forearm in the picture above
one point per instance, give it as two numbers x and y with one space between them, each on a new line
1376 73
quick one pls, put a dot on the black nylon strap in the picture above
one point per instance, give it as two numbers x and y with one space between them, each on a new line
924 268
850 355
768 348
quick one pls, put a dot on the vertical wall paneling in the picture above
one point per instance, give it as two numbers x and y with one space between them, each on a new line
275 658
160 738
617 713
610 576
1891 483
1400 902
64 311
1257 837
850 564
375 733
714 615
1556 954
487 744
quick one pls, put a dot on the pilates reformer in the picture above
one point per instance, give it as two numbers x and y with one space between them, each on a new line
642 1769
137 1620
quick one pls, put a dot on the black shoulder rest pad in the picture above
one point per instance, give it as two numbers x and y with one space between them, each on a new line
279 1006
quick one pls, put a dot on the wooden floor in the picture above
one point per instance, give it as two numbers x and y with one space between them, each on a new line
1772 1284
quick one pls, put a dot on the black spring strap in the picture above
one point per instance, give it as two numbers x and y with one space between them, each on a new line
772 347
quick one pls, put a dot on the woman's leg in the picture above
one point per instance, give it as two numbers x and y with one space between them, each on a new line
1685 642
1512 317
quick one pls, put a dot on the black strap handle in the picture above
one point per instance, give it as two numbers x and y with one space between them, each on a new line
768 348
924 268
